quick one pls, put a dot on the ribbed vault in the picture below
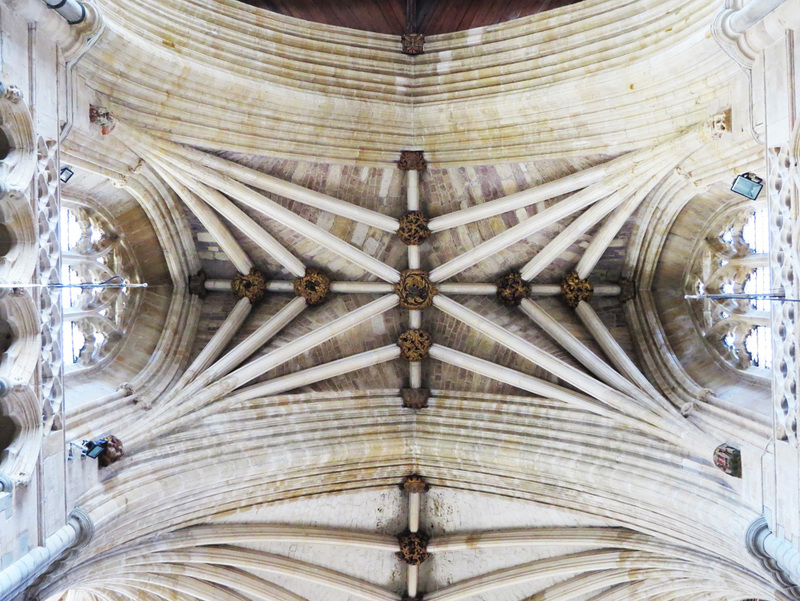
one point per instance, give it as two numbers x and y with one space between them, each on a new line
292 393
544 85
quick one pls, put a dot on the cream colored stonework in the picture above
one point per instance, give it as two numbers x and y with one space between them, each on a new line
569 451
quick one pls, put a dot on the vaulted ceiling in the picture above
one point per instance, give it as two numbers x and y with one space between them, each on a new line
278 437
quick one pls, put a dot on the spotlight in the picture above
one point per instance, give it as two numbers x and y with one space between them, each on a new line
66 174
93 449
748 184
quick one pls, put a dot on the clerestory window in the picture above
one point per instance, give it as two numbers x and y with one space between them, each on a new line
95 316
734 259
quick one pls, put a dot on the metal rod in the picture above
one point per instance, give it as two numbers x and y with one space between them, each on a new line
83 286
765 296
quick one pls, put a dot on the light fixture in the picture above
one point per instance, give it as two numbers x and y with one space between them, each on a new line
66 174
88 448
94 448
748 184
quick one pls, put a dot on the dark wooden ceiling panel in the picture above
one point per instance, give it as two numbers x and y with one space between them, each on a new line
389 16
381 16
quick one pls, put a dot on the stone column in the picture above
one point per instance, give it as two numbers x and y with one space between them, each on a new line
73 11
779 556
743 34
76 533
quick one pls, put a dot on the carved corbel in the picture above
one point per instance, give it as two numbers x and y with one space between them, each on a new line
102 117
413 43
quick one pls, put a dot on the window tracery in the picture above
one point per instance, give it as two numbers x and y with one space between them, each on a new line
95 317
733 259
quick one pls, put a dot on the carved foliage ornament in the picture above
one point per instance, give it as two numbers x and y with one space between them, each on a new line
252 286
11 93
627 290
575 289
197 284
413 547
413 43
413 229
729 459
414 344
717 125
415 398
412 160
512 289
126 388
415 289
315 287
415 484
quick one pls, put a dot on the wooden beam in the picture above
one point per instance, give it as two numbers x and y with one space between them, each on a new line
411 16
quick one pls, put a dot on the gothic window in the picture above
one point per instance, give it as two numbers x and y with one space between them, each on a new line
95 318
733 259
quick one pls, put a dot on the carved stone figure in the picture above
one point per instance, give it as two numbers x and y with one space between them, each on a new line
112 453
102 116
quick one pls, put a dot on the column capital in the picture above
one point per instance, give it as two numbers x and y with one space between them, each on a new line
415 484
732 43
777 555
83 525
